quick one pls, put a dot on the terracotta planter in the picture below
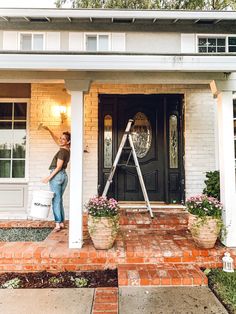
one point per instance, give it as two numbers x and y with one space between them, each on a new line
103 231
204 232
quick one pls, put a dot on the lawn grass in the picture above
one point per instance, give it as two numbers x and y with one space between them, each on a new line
224 286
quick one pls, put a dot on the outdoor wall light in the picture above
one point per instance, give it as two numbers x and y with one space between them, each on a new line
60 111
228 263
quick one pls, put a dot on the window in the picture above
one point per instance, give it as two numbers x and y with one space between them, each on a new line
13 117
31 41
211 44
232 44
96 42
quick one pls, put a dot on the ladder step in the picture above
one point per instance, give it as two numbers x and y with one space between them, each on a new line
126 166
127 148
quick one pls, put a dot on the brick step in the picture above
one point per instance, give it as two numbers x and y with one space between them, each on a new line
161 275
173 220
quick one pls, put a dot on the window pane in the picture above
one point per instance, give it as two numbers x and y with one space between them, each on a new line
107 141
232 41
220 49
211 49
203 49
173 141
20 111
19 125
6 111
5 166
5 143
202 41
91 43
26 40
19 143
5 125
18 169
103 42
211 41
232 48
38 42
220 41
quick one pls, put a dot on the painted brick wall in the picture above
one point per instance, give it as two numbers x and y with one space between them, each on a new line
200 149
200 110
42 148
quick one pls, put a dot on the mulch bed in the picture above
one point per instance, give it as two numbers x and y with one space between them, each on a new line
24 234
87 279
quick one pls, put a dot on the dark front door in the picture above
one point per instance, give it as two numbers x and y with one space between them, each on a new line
157 139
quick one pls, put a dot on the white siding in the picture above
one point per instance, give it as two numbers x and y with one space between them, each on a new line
76 41
118 41
52 41
188 43
10 40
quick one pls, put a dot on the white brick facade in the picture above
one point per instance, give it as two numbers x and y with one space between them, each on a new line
200 131
42 148
200 108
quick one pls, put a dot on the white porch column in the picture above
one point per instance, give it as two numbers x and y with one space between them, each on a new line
76 89
227 167
224 92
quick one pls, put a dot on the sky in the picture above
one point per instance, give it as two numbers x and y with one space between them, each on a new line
28 4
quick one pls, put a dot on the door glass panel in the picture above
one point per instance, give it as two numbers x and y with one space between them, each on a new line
173 141
107 141
141 134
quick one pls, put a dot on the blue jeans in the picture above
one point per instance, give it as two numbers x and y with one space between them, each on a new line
58 185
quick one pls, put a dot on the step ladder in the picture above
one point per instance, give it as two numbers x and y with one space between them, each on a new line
127 135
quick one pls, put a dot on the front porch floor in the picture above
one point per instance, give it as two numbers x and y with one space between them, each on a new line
147 252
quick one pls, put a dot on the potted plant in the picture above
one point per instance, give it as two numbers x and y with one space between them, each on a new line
103 221
205 222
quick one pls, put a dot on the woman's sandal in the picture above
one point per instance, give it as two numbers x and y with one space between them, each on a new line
57 228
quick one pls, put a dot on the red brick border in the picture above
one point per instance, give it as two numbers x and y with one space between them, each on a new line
105 301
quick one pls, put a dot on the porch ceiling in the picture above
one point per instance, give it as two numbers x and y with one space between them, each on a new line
123 77
117 62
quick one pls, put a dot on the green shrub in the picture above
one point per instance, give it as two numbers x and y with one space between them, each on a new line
81 282
12 284
224 285
212 184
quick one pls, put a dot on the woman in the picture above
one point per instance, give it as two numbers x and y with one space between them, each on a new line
58 177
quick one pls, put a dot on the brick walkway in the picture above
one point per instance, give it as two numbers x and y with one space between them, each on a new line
157 251
105 301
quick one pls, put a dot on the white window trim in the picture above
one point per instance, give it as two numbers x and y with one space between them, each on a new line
31 33
26 178
97 34
226 36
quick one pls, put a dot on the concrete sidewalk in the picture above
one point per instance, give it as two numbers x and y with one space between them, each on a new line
132 300
169 300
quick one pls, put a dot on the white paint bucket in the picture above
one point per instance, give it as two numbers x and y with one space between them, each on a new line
41 204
